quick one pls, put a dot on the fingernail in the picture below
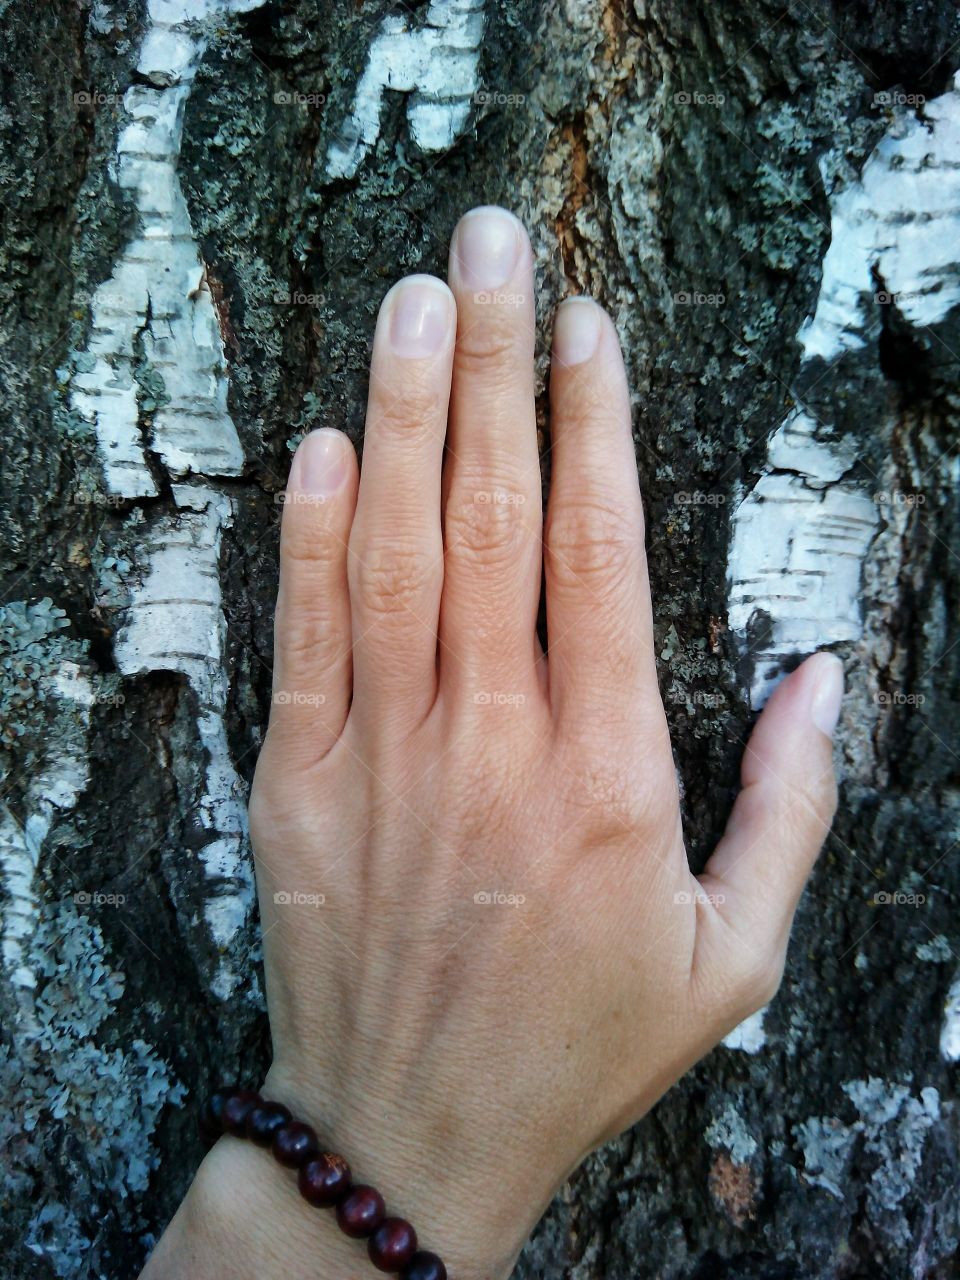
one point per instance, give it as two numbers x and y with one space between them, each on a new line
486 247
421 315
827 693
319 466
576 330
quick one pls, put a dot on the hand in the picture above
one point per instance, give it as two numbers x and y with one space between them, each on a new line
485 952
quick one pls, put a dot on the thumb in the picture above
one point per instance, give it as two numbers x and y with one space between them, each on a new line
783 813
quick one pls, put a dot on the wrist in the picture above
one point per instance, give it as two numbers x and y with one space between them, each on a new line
243 1216
469 1200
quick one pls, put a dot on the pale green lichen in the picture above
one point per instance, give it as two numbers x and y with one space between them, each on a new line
892 1125
31 647
76 1082
70 1082
729 1131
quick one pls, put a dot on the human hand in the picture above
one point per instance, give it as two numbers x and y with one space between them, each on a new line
512 960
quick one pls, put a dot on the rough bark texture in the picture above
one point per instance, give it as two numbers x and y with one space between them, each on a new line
688 163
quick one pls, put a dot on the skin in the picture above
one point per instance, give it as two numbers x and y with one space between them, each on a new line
512 960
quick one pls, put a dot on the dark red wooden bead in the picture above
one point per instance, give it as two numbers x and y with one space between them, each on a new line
264 1120
424 1266
392 1245
236 1108
324 1181
210 1120
295 1144
361 1212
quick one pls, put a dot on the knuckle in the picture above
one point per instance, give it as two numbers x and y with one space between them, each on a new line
409 410
591 543
489 347
392 579
605 799
481 528
587 407
312 636
317 548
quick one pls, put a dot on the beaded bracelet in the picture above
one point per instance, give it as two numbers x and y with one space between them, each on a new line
324 1179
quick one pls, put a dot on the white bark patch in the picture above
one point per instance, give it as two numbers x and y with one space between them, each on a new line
796 555
156 293
54 790
748 1036
435 63
156 299
175 622
900 222
950 1031
801 535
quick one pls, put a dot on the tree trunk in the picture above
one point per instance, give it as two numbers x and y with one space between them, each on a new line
200 220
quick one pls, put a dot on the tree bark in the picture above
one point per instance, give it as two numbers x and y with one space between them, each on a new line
201 217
